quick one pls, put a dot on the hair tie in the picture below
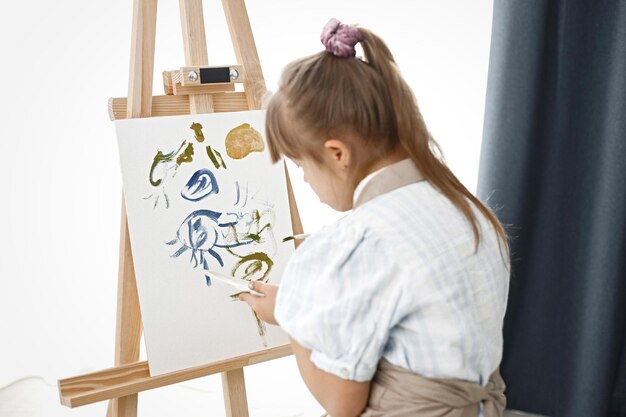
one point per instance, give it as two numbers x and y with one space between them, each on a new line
340 39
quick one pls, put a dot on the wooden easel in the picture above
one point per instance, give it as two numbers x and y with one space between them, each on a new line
185 93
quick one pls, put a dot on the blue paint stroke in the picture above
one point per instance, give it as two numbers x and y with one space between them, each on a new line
229 219
245 202
199 234
201 184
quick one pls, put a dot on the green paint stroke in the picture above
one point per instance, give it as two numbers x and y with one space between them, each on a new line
256 218
262 329
209 152
256 237
219 155
197 128
186 156
161 158
260 325
214 154
257 261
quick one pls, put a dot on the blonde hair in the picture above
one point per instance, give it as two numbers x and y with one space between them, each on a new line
368 102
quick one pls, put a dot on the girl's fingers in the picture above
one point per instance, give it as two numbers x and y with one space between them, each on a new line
251 298
263 305
257 286
244 296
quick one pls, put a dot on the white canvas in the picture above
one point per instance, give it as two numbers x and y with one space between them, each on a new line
190 211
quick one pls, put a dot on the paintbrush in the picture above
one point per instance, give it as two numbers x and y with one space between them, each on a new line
241 285
296 237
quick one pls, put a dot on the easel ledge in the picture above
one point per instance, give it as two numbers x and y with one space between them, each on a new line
132 378
183 95
179 105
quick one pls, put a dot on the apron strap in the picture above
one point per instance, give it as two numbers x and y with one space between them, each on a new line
391 177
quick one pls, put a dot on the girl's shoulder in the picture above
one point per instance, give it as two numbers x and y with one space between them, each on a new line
349 245
344 234
373 229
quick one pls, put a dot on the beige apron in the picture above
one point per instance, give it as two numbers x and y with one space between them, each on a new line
398 392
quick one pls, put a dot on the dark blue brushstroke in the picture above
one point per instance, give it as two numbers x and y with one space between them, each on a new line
179 252
231 223
208 280
216 256
199 233
201 184
213 215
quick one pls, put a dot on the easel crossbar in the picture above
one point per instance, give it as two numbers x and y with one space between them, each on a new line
170 105
135 377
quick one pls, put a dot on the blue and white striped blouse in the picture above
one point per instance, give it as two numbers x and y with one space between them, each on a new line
398 278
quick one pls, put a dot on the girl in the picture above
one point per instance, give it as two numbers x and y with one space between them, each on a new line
396 309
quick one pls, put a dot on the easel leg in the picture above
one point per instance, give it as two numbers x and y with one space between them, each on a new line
235 401
128 326
245 50
194 41
124 406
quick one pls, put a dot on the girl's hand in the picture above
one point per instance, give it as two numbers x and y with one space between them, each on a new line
262 306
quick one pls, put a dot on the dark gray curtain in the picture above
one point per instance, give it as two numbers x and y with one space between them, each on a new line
553 167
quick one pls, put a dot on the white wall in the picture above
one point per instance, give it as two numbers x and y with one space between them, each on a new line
60 205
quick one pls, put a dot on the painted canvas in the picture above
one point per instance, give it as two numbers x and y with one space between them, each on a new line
204 203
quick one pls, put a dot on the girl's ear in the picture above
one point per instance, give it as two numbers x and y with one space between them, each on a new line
337 152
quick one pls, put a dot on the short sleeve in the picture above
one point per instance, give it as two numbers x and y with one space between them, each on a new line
336 299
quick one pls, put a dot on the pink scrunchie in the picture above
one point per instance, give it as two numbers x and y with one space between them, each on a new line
340 39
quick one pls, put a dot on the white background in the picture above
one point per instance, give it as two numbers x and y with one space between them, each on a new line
60 204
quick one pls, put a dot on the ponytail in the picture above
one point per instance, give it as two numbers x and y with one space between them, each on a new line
370 100
417 141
